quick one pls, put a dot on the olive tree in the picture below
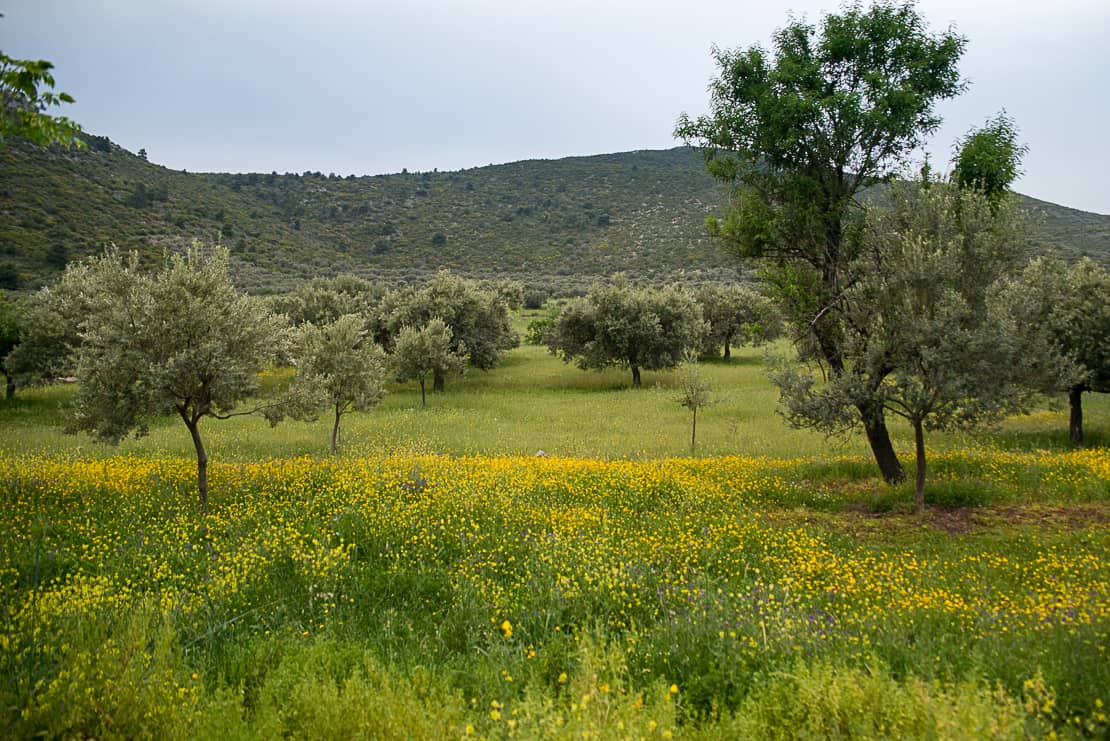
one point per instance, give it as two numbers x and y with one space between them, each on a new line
430 349
695 392
930 319
736 314
181 340
622 325
477 318
1073 303
798 132
342 365
323 300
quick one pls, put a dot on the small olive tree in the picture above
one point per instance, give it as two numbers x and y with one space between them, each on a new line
342 365
695 392
478 318
622 325
181 340
736 314
430 349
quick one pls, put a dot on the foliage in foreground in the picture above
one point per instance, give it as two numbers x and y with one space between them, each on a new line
430 596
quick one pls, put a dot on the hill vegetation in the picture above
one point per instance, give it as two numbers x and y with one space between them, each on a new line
555 224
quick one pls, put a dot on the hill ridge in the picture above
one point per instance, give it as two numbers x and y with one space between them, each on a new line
555 223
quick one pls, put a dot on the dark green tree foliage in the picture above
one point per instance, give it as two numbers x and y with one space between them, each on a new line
736 314
798 132
622 325
26 94
477 318
430 349
181 340
988 159
1073 303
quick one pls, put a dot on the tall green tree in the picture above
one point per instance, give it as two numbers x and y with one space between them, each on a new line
1073 303
180 340
798 132
622 325
988 159
432 349
340 363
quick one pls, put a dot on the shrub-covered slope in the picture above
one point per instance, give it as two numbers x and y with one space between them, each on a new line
555 223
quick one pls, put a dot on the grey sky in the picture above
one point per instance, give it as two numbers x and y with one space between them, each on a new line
371 87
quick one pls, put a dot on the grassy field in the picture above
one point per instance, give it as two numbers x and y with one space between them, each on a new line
437 580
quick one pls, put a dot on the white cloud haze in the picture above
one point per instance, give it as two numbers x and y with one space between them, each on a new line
373 87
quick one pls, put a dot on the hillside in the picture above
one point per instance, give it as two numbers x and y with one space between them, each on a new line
551 223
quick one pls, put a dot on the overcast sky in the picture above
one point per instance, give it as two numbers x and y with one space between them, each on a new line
376 86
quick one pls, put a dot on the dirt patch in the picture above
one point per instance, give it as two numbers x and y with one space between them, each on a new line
861 522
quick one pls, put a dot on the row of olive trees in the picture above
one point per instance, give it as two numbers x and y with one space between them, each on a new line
620 324
183 340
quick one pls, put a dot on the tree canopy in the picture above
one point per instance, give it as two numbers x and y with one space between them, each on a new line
477 318
428 349
180 340
1073 304
26 94
622 325
340 363
736 314
798 132
928 332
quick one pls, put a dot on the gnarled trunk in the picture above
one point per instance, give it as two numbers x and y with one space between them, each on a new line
636 376
878 436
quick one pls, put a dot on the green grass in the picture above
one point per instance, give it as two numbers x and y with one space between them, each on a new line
770 587
533 402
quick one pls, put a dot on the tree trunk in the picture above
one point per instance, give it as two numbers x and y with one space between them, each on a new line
728 346
694 431
919 481
439 382
874 424
636 376
9 391
335 430
202 462
1075 424
423 398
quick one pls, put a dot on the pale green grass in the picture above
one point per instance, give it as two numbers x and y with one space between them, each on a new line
534 402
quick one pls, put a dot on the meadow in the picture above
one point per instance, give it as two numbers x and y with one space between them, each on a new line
438 580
